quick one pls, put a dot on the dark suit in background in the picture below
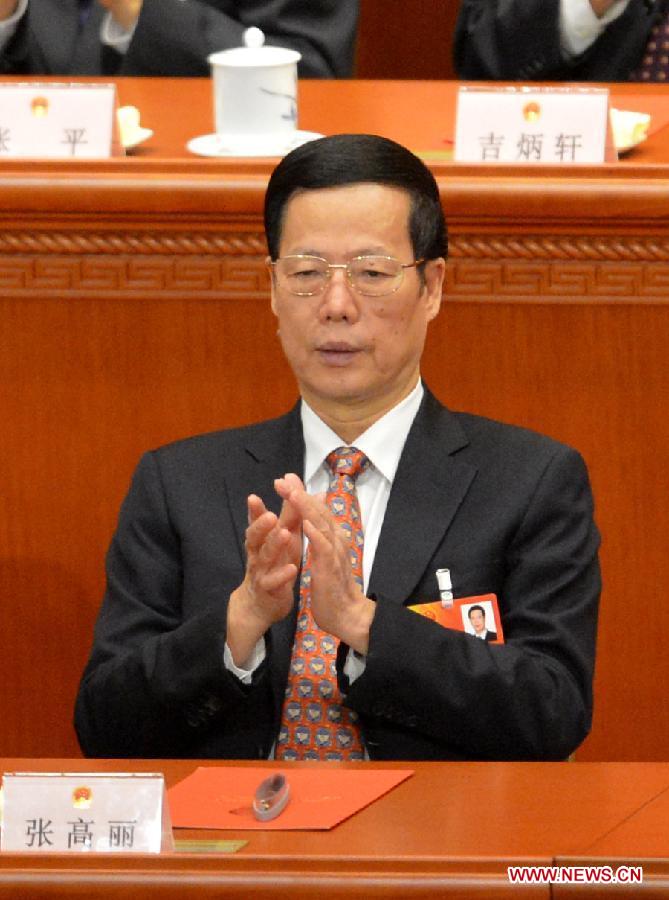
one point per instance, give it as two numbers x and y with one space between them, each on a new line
174 37
520 40
506 510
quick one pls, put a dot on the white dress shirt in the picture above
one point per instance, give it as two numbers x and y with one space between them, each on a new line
383 444
580 27
111 32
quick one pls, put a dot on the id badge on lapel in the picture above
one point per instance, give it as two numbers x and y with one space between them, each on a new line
477 616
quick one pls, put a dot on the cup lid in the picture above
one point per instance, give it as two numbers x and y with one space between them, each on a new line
254 54
240 57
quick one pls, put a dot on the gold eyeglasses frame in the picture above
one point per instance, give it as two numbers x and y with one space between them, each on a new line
349 274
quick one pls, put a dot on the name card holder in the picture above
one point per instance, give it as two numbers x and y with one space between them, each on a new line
532 125
58 121
63 812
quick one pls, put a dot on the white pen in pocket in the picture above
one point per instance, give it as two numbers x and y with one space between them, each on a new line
445 586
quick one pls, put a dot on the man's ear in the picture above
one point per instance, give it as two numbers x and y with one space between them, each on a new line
434 271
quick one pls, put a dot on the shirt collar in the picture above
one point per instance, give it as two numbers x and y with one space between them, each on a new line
382 443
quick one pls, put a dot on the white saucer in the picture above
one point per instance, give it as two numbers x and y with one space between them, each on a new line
135 137
273 144
629 128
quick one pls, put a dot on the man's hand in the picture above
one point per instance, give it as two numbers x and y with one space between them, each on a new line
125 12
273 552
7 8
337 603
599 7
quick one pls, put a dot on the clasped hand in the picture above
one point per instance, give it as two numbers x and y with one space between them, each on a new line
125 12
274 548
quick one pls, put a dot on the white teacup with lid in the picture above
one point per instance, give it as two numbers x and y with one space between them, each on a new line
255 88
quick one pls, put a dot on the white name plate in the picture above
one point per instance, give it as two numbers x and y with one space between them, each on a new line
85 812
523 125
56 121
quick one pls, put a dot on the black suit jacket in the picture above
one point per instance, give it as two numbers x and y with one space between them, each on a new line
507 510
519 40
174 37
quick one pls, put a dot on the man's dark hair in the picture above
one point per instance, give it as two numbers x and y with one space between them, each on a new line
344 159
472 608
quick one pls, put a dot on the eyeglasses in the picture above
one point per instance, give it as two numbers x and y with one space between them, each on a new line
373 276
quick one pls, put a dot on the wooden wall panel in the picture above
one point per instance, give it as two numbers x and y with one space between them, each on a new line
409 40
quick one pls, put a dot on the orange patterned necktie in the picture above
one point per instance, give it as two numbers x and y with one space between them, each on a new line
315 724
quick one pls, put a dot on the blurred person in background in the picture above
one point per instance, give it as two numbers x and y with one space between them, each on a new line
168 37
563 40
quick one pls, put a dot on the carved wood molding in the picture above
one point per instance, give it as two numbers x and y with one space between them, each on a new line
550 281
138 277
462 246
571 269
560 247
137 243
231 266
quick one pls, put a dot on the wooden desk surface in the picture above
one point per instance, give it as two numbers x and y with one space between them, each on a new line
638 840
642 834
162 176
449 828
420 114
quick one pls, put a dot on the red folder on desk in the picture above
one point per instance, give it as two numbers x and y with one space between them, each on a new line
321 796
